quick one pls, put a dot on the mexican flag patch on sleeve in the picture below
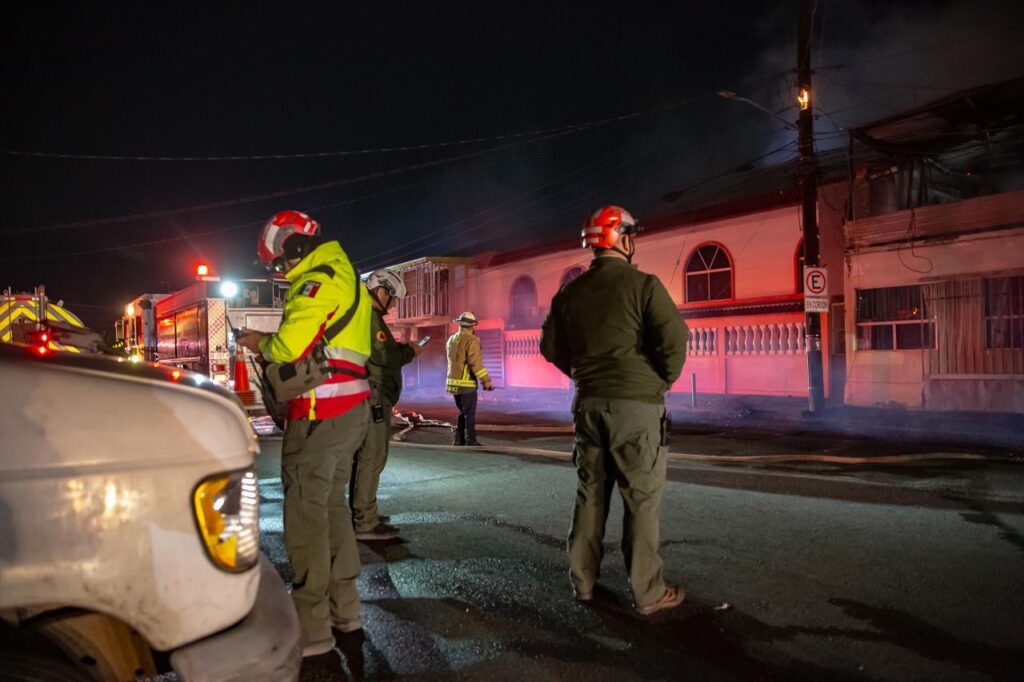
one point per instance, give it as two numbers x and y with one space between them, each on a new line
310 289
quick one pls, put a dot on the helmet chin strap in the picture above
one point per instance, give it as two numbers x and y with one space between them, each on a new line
628 254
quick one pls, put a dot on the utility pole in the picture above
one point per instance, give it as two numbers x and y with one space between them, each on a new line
809 203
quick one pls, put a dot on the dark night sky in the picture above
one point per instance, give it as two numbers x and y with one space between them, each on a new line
234 79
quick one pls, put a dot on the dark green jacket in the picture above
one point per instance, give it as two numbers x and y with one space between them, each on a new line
387 357
616 332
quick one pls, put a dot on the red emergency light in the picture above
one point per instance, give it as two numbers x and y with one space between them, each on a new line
202 270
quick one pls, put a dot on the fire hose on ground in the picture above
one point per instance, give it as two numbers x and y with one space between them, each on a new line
410 421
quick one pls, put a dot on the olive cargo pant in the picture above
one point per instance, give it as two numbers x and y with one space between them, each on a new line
369 464
618 441
315 470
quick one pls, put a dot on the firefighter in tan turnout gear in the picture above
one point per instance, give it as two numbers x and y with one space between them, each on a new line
616 332
465 368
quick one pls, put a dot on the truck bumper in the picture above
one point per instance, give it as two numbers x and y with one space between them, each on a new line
263 646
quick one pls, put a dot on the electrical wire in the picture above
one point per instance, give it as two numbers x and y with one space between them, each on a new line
550 215
190 235
363 152
434 234
275 194
344 181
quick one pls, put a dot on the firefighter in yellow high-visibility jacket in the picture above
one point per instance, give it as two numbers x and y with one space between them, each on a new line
465 368
326 426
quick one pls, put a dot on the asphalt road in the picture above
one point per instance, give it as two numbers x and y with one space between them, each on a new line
792 573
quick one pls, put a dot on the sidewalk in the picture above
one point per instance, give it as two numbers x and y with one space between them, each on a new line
714 448
753 416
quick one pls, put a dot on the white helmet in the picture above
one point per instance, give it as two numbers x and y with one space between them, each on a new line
391 282
467 319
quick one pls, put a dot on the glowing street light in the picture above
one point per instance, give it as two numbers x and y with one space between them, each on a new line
228 289
804 99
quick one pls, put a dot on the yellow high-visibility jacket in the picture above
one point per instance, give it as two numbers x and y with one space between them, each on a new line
323 287
465 364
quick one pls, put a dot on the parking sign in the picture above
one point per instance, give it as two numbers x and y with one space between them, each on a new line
815 290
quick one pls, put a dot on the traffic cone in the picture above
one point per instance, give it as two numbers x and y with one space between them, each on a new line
242 389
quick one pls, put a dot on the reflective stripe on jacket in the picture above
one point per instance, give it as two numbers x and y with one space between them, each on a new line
465 362
313 300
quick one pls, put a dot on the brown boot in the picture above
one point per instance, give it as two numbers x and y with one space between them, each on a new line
672 598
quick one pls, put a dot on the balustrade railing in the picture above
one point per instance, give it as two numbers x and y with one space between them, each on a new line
522 345
702 341
780 338
777 338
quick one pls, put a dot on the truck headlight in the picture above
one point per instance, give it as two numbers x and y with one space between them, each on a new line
226 508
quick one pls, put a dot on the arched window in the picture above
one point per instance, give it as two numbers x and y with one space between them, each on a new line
524 304
799 258
571 274
708 274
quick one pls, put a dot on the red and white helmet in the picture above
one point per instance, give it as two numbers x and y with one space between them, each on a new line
281 226
603 228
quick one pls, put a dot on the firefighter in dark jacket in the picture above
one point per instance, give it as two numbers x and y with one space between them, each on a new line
387 357
617 333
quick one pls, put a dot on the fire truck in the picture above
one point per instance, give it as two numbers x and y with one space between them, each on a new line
191 328
35 319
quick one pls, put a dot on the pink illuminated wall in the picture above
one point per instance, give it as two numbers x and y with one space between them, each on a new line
749 343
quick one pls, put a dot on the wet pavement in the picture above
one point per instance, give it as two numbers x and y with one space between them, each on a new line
792 573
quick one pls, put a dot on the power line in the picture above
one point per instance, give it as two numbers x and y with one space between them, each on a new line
346 181
447 228
551 214
190 235
518 226
269 195
356 152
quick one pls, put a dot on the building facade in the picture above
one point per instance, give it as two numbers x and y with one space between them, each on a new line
733 269
922 235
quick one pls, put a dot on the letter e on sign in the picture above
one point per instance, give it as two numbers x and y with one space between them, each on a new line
815 290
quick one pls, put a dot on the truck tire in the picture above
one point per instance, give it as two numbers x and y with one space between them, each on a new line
18 667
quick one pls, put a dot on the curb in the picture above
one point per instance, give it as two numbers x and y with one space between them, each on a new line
747 459
526 428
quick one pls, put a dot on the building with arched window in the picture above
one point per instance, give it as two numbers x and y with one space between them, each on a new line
925 279
523 310
708 274
571 274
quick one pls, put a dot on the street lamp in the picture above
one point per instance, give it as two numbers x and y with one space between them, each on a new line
808 206
729 94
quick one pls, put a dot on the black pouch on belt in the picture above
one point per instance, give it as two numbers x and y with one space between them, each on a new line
666 429
376 404
292 379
